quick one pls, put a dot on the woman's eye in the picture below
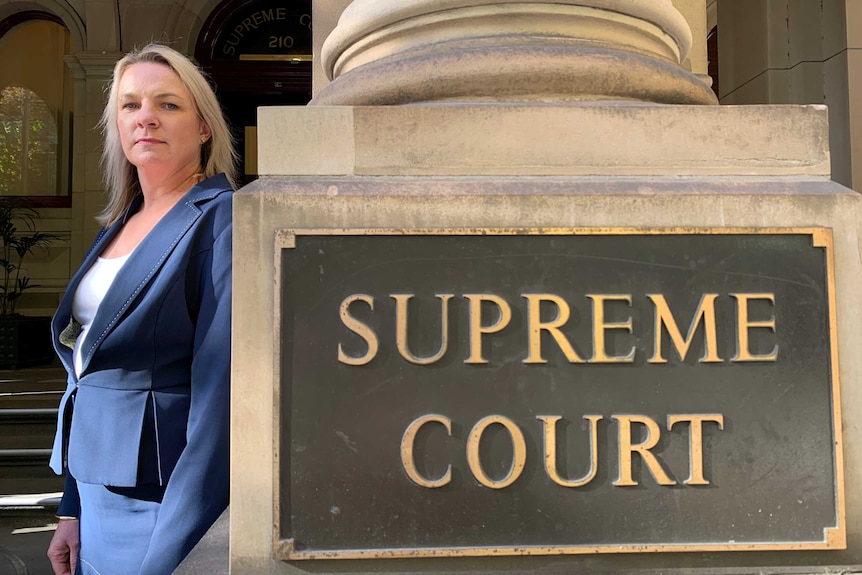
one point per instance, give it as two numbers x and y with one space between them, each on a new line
130 106
170 106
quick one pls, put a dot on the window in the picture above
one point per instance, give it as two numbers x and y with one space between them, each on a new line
35 107
28 144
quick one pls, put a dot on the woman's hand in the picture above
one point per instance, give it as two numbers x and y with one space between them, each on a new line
63 550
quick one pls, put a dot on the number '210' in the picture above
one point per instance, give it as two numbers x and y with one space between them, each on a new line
281 41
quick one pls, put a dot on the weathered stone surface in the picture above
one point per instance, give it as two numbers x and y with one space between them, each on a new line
558 140
388 27
408 202
392 52
493 153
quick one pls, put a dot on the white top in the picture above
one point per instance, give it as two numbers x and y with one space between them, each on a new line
90 293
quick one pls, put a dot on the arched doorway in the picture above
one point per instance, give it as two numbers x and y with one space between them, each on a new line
35 109
258 53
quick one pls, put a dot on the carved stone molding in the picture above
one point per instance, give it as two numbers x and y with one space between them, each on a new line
100 64
386 52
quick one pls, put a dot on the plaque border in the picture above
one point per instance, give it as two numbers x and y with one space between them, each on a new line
834 537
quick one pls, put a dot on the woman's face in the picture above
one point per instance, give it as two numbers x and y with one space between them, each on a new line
158 122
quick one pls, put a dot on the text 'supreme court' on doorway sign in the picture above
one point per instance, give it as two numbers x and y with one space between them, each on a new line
519 391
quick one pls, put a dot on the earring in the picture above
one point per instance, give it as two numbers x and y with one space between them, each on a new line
203 139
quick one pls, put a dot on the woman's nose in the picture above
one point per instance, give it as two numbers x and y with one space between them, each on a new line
146 115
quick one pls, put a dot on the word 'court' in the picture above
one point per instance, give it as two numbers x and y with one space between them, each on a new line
626 451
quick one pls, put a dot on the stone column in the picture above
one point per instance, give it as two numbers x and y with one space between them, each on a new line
694 12
460 119
463 51
92 72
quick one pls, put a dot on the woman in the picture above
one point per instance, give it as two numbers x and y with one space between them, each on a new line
144 332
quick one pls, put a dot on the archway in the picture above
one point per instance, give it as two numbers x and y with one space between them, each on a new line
36 102
258 53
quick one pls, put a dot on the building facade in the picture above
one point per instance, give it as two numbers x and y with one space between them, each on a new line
56 57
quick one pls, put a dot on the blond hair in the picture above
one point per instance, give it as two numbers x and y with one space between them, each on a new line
217 153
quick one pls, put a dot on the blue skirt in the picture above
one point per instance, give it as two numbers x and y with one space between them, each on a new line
116 527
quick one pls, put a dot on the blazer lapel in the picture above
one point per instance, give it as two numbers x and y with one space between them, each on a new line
144 263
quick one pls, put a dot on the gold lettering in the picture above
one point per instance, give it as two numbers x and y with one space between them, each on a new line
627 449
549 425
281 14
536 326
267 15
664 317
234 38
519 451
695 442
408 461
600 326
476 327
359 328
743 324
401 301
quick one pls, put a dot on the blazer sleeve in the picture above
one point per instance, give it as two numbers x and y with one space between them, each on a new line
198 489
70 504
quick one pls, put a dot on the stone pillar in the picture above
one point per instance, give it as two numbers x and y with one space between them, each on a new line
694 12
460 119
92 72
510 51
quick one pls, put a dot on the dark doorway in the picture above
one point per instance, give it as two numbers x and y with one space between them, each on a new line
258 53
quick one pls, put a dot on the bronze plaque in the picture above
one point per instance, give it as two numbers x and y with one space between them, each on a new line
522 392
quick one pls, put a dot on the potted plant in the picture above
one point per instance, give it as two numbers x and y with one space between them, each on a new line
23 339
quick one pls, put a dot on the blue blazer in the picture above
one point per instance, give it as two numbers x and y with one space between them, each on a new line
152 403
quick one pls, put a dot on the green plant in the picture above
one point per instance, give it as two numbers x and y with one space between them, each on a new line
16 244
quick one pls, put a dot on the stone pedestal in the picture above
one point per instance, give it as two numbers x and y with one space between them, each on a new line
582 167
469 119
